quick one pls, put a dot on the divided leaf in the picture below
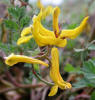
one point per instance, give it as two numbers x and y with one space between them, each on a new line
16 12
88 71
24 21
70 68
11 24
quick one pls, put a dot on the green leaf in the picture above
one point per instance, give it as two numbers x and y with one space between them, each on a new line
70 68
16 12
11 24
91 47
84 55
24 21
8 48
88 71
81 83
93 95
89 67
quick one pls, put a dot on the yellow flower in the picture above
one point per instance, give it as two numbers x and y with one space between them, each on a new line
55 74
56 37
40 5
14 59
24 39
73 33
45 37
55 20
28 30
44 13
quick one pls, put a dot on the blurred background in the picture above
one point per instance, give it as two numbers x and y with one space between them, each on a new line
77 59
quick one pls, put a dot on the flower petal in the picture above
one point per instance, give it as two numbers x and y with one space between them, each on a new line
55 20
73 33
43 31
54 70
47 11
24 39
40 5
60 42
14 59
43 14
45 37
53 90
26 31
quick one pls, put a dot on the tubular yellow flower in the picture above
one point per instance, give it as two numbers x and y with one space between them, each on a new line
14 59
54 71
47 11
24 39
55 20
45 37
40 5
26 31
72 34
44 13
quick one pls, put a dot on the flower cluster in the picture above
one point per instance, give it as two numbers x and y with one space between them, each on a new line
45 37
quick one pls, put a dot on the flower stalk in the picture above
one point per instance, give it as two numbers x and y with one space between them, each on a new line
44 81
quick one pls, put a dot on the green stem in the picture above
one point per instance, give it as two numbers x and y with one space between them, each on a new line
48 83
